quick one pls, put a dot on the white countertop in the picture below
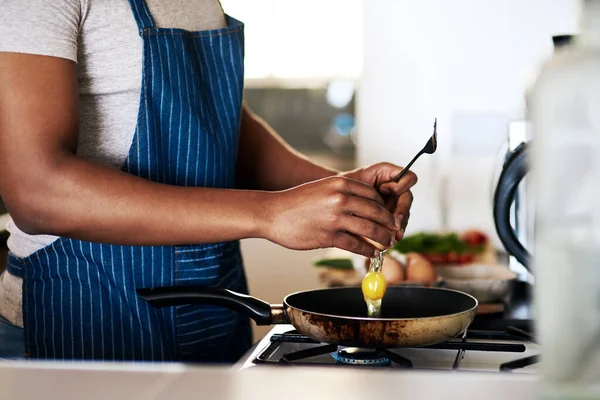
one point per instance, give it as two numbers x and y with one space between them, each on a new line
29 380
64 381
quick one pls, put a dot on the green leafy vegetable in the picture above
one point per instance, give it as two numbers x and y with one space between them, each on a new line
435 243
335 263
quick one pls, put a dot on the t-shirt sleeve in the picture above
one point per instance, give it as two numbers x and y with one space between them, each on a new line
44 27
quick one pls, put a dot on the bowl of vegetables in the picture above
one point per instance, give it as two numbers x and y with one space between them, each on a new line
448 248
412 261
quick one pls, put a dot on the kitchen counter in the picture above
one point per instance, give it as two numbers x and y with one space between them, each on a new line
176 381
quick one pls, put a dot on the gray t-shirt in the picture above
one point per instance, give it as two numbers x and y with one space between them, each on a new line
101 36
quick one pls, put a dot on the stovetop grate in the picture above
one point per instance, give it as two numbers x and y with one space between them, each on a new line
462 345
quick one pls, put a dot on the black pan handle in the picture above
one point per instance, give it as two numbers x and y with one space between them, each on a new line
515 169
170 296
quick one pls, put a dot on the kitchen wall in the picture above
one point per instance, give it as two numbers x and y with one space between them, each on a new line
467 62
300 40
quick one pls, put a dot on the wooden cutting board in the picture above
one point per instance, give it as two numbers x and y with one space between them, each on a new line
490 308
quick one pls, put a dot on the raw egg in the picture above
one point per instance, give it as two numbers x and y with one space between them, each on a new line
374 286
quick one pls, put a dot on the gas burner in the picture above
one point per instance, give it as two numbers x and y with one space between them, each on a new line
356 356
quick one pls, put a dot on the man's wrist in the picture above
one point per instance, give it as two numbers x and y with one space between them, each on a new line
262 209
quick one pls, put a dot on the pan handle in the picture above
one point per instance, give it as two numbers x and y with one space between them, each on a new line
169 296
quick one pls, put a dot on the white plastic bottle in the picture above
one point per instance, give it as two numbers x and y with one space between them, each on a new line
565 116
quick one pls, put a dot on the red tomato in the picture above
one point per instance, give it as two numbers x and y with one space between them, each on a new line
465 258
452 258
435 258
474 238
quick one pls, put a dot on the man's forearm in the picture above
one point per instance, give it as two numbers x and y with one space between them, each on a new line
83 200
266 162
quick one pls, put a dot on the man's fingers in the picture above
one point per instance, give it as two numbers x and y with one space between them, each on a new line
352 243
369 230
356 188
372 211
406 182
403 209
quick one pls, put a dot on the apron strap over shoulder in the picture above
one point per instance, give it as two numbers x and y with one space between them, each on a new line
14 266
142 15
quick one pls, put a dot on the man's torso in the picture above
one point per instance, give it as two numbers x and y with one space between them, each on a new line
108 51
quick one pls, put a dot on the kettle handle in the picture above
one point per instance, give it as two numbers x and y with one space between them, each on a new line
515 169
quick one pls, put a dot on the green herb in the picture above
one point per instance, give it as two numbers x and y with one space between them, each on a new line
335 263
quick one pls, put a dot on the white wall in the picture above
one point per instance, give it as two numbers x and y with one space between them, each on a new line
467 62
285 37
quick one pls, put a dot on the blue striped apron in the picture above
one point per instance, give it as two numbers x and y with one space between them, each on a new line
79 299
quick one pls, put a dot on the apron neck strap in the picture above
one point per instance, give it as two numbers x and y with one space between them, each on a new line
142 15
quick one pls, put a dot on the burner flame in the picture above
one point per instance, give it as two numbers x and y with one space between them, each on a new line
356 356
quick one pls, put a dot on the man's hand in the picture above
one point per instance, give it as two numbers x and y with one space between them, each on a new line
331 212
397 196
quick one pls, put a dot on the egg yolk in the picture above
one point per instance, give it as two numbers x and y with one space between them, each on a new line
374 286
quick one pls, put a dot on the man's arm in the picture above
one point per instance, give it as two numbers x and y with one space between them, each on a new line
267 162
48 189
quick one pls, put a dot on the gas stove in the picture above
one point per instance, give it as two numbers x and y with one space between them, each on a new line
511 350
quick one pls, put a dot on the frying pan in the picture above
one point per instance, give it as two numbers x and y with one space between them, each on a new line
411 316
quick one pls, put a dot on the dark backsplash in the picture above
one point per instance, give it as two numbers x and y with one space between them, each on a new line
301 116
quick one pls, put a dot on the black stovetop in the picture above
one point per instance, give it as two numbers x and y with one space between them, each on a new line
293 348
518 312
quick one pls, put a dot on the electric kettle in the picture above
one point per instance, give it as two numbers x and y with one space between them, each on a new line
513 171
